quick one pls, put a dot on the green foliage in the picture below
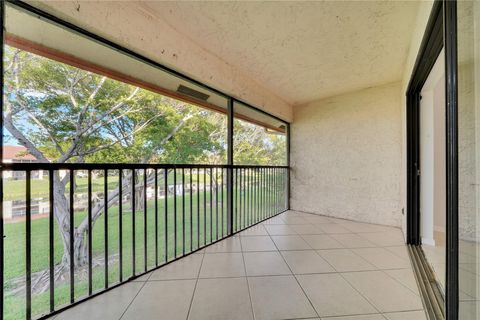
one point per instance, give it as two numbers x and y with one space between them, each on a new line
256 146
72 115
59 108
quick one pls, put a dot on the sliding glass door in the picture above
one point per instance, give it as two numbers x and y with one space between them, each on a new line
468 42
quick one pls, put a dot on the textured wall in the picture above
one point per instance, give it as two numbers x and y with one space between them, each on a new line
346 156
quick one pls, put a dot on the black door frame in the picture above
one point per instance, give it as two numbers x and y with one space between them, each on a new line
430 48
451 73
441 32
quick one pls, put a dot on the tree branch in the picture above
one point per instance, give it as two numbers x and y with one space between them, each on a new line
10 126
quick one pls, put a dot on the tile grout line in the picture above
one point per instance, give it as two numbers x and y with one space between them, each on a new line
401 283
263 224
350 250
340 273
136 295
195 287
295 277
248 283
361 294
378 311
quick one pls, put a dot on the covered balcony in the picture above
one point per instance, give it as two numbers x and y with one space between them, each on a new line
240 160
292 266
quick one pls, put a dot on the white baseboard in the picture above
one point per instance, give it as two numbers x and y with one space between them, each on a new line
428 241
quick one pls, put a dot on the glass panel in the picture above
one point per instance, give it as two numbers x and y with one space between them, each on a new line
433 169
258 139
469 158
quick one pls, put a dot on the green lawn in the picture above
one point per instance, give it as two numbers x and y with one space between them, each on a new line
15 189
15 244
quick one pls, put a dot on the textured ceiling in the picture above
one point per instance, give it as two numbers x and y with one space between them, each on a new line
302 51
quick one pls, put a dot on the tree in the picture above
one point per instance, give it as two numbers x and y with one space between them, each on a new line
257 146
67 115
64 114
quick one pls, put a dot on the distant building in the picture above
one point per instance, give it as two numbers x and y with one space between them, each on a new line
19 154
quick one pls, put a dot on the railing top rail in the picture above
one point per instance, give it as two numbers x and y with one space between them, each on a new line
15 166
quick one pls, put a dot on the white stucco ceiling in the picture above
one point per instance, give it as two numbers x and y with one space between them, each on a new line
302 51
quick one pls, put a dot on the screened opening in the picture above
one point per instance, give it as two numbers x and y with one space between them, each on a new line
258 139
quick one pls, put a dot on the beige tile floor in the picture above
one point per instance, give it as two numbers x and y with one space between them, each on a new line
293 266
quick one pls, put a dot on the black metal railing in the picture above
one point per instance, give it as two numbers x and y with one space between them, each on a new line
89 227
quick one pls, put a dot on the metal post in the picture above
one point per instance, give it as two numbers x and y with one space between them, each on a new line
51 240
90 258
230 168
71 239
28 248
105 221
120 225
451 74
288 164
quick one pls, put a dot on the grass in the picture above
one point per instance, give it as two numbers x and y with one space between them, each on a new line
16 188
15 244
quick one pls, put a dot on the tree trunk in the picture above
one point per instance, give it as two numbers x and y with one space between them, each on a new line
62 216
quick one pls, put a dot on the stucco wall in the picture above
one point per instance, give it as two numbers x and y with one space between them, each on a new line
346 156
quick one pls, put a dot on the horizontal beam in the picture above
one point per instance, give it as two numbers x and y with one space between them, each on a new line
117 166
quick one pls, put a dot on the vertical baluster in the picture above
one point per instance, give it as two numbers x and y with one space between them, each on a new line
120 225
276 190
252 199
236 201
145 227
240 200
211 205
222 202
242 182
247 194
284 189
156 195
165 209
216 203
204 206
254 196
175 212
51 239
89 218
105 208
262 199
183 211
257 196
270 192
28 251
247 211
71 238
133 222
254 191
198 208
250 196
191 212
264 172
